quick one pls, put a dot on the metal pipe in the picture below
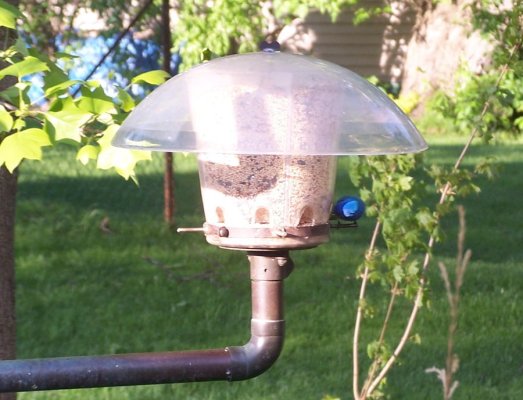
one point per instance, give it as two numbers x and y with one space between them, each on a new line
268 269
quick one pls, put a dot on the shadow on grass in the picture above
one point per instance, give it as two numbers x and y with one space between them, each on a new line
114 195
82 291
493 216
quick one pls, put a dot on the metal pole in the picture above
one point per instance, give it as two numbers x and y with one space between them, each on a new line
268 269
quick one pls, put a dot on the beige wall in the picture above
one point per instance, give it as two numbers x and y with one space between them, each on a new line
375 47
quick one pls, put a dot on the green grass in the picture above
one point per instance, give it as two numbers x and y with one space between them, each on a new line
82 291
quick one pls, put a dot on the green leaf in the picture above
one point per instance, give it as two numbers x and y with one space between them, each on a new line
68 122
413 268
373 349
10 95
21 47
6 120
86 153
127 101
21 145
156 77
365 194
361 15
29 65
96 101
8 15
207 55
426 219
55 75
416 338
398 273
59 87
19 124
93 84
122 160
65 56
405 182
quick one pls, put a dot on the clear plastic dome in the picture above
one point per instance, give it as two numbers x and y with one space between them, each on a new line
269 103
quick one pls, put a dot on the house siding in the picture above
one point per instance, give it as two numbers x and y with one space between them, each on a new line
376 47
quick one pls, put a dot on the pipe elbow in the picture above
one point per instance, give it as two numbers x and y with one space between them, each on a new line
257 355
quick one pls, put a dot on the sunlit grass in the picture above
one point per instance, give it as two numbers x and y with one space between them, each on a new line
140 286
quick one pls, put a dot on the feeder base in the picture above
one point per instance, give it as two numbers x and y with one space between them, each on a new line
266 238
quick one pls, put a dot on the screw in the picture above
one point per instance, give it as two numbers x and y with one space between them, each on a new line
281 261
280 232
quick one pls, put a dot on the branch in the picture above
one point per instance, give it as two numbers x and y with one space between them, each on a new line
446 374
76 8
375 363
357 324
117 41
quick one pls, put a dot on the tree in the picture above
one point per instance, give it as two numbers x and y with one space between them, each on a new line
487 104
56 20
229 27
443 39
89 121
8 185
454 46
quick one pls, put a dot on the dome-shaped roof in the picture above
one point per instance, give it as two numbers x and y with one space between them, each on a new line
269 103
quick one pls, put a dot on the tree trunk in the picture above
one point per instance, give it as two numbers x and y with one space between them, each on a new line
168 177
8 185
443 41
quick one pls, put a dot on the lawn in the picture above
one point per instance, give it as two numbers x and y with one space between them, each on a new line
143 287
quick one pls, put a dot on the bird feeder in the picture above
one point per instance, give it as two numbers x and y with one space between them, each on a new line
267 128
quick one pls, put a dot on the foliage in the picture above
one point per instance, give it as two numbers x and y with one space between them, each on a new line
464 106
407 102
9 15
94 30
49 20
395 190
393 196
329 397
406 227
87 121
501 24
232 26
224 26
500 21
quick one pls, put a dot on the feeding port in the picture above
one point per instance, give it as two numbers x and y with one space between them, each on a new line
266 201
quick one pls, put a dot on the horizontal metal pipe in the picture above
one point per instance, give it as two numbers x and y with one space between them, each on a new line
231 363
113 370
